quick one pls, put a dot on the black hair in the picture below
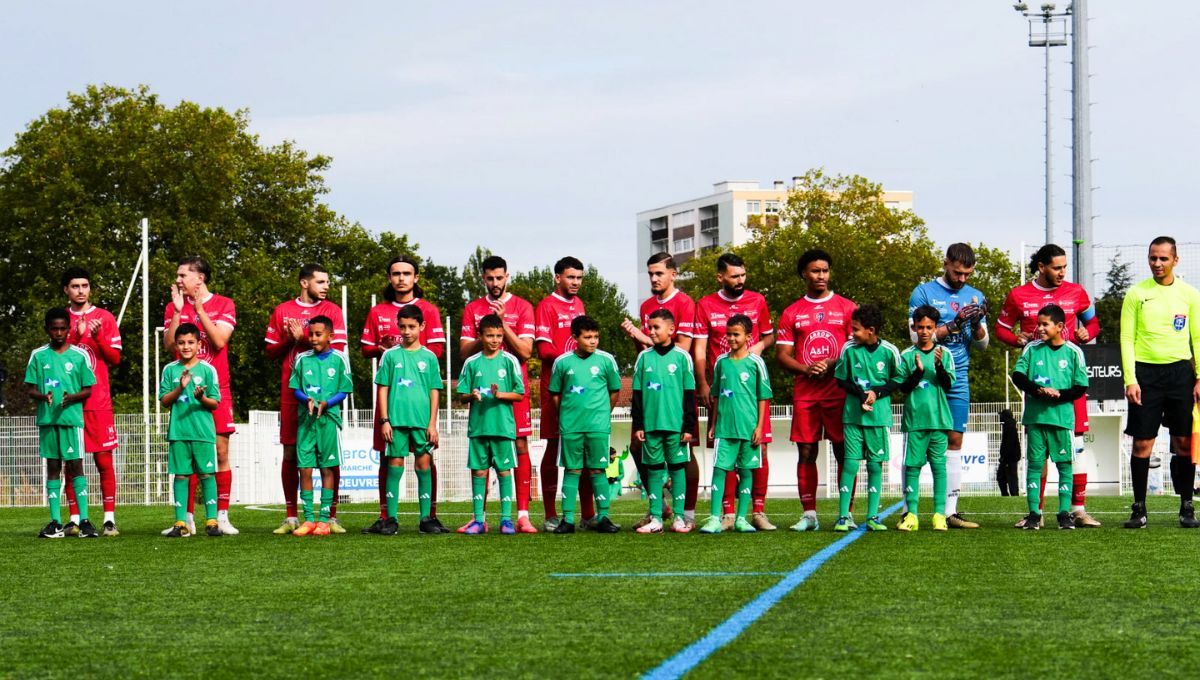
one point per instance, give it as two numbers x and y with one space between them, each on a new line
566 263
961 253
1056 313
740 320
1044 256
199 265
490 321
1162 240
410 312
73 273
812 255
729 260
309 270
665 258
389 293
56 313
492 262
870 316
582 324
926 312
322 319
664 314
187 328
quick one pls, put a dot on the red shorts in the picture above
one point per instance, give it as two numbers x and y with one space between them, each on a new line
99 431
1081 415
548 429
523 414
813 421
377 442
223 416
289 420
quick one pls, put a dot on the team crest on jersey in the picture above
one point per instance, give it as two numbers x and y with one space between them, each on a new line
672 368
595 370
502 373
330 372
744 376
1062 363
879 365
1180 321
820 317
954 305
421 365
70 365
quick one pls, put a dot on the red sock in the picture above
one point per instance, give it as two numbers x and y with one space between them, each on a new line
1042 492
433 490
806 481
108 479
193 482
289 476
758 488
524 477
224 484
1079 488
729 502
548 472
72 504
337 486
693 486
587 504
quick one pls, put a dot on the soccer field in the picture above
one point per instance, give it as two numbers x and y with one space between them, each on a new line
992 602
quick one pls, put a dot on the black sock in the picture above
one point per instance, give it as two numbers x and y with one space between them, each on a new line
1139 469
1183 476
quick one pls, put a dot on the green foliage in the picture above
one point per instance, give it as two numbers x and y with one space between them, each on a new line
1108 306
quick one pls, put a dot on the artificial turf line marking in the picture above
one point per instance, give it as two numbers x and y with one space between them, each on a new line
728 630
667 574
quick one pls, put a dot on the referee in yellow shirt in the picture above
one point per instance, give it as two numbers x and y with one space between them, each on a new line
1159 339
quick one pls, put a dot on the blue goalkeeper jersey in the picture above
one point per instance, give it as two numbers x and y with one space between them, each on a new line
947 301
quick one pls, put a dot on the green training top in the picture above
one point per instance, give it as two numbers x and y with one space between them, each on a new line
1059 367
321 378
190 421
584 383
59 374
739 385
870 370
491 417
662 379
925 407
410 376
1158 325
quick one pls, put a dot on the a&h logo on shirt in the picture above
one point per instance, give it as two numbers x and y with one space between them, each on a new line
1180 323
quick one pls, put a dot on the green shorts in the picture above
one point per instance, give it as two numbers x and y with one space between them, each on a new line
874 441
56 442
924 446
491 452
406 439
318 442
185 458
730 454
584 450
1056 442
664 448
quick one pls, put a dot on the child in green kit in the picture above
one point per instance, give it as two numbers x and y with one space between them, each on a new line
867 371
741 402
491 383
321 382
664 413
189 388
408 387
584 384
926 373
59 378
1053 374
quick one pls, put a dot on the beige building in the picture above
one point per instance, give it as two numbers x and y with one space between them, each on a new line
688 227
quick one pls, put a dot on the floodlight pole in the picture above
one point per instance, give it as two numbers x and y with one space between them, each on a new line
1081 135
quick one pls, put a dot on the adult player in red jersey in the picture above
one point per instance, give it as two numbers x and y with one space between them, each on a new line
216 317
95 331
662 270
286 338
1017 325
517 316
552 321
712 313
811 333
379 334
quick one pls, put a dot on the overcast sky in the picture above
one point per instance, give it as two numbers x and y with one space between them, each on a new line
540 129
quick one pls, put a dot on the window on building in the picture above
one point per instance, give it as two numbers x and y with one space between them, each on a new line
753 207
684 245
772 207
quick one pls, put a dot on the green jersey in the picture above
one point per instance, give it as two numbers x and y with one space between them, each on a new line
662 379
925 406
321 378
870 369
60 374
1060 368
584 383
190 421
739 385
491 417
1158 325
410 376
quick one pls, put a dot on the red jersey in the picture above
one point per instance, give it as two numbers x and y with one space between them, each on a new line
817 329
518 314
679 305
221 312
1021 306
381 324
714 310
102 344
277 333
552 321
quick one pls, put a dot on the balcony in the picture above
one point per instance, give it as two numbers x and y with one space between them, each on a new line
709 224
658 246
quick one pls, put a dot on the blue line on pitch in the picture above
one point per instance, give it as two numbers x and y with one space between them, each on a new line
728 630
668 574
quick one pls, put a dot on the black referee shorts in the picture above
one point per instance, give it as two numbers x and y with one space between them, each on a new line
1166 400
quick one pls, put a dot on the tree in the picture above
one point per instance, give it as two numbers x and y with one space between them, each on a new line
1108 306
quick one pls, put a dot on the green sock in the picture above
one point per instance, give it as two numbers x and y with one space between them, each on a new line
424 491
718 490
53 489
912 488
1065 486
208 489
657 479
394 474
874 486
1033 483
849 472
678 490
79 483
306 498
570 491
181 496
478 488
600 493
326 503
938 467
507 493
745 480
